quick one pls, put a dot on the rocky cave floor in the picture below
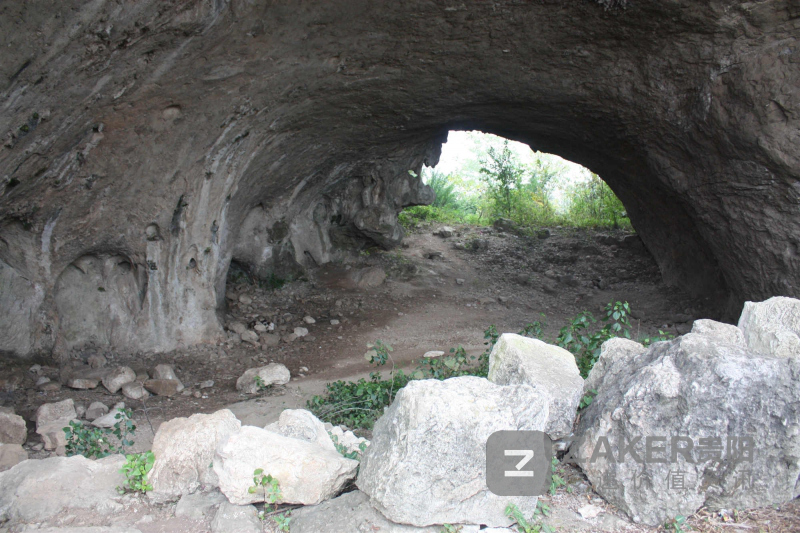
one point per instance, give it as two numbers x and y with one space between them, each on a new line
439 292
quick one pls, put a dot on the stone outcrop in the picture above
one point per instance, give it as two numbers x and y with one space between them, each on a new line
302 424
13 429
415 472
772 326
306 473
710 422
124 200
549 369
184 449
51 419
271 374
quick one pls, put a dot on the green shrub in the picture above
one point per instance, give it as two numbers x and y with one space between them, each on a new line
135 470
95 443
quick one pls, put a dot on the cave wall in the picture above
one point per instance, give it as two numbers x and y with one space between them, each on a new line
147 144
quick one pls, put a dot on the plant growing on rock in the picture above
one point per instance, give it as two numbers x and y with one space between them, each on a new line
95 443
576 336
135 469
268 484
530 525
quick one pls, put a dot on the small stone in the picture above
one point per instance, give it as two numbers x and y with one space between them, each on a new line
11 455
250 336
334 322
206 384
163 387
445 232
303 369
543 234
96 361
460 281
35 369
269 340
236 519
237 327
244 299
80 410
433 354
197 394
109 419
589 511
165 372
300 331
260 328
114 380
134 390
42 380
96 410
309 320
291 337
199 505
51 418
50 386
82 383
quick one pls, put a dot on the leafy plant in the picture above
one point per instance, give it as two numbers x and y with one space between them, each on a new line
347 454
135 469
450 528
530 525
576 336
266 483
662 336
95 443
378 353
587 399
261 385
677 524
556 479
282 520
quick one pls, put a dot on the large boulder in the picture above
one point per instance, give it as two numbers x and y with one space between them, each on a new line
772 326
306 472
11 455
51 419
271 374
738 410
351 512
35 491
615 356
302 424
426 464
549 369
13 429
184 449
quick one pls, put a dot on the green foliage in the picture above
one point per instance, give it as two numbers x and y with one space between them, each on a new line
662 336
261 385
587 399
502 174
556 476
342 449
450 528
592 203
378 352
266 483
282 520
578 338
135 469
677 525
95 443
533 524
443 188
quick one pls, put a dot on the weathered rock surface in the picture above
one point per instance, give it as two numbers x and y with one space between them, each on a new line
96 410
232 518
11 455
82 383
306 472
163 387
136 391
704 385
34 491
199 505
697 136
272 374
352 513
772 327
13 429
115 379
416 473
348 439
549 369
616 355
109 419
302 424
184 449
51 419
89 529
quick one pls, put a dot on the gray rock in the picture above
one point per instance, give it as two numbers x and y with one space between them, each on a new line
348 439
200 505
115 379
35 491
772 326
109 419
309 320
232 518
96 410
82 383
11 455
272 374
163 387
615 355
416 473
445 232
302 424
184 449
244 299
269 340
249 336
704 385
135 390
549 369
370 277
237 327
307 473
13 429
97 361
89 529
300 331
166 372
51 419
349 513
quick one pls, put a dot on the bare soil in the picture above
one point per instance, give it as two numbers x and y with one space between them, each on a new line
440 292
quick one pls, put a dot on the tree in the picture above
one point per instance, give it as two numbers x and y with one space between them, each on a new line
502 174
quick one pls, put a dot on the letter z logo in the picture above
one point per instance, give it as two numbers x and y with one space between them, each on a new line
526 455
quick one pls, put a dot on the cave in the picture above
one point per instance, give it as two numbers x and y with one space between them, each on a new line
148 145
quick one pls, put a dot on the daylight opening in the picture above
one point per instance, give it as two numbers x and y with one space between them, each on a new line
482 177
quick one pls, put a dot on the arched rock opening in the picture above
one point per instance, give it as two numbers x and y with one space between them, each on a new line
163 130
